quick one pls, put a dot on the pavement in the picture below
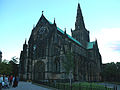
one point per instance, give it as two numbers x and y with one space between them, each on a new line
27 86
110 85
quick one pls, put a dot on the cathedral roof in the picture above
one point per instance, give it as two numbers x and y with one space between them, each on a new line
60 30
70 37
90 45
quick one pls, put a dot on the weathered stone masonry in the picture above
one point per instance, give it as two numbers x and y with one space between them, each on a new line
42 57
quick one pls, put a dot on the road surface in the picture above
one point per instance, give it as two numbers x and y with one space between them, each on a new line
27 86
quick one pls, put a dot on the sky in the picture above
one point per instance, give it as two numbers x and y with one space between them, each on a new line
101 17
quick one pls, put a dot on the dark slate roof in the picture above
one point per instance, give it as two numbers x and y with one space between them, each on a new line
89 45
69 36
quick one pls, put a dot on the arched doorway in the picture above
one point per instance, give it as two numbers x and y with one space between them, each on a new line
39 71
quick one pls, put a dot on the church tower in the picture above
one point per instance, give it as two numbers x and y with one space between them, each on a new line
80 33
23 62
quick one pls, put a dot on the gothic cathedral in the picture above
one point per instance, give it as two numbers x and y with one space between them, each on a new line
42 58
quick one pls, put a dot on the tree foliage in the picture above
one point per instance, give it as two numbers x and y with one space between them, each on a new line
13 62
9 67
111 72
5 68
68 64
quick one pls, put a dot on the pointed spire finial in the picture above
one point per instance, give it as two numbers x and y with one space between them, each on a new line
78 5
65 30
54 20
79 19
71 30
25 40
42 12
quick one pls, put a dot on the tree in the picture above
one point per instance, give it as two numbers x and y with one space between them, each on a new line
5 61
13 62
118 71
68 64
109 72
9 67
14 59
5 68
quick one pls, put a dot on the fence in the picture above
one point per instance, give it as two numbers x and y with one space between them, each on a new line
66 86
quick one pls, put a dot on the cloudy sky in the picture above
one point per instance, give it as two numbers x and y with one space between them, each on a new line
101 17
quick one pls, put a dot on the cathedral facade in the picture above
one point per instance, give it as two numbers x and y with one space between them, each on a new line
42 58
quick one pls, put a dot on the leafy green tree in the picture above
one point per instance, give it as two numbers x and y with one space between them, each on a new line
68 64
13 62
5 61
118 71
14 59
109 72
5 68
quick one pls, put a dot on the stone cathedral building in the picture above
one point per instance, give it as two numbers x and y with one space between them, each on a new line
42 57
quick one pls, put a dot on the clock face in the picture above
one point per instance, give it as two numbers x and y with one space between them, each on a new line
42 30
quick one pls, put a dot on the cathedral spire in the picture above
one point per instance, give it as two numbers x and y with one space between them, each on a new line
42 12
79 24
25 41
54 20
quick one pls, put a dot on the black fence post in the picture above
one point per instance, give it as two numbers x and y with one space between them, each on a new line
90 86
116 87
79 86
71 87
58 85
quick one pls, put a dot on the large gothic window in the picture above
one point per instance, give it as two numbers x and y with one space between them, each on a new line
57 65
34 51
39 71
42 50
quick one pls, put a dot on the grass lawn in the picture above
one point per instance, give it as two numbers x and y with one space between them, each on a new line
81 86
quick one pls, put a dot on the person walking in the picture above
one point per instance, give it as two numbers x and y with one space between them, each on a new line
15 83
10 80
2 79
6 82
0 83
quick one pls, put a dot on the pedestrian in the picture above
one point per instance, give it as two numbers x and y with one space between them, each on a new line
2 79
0 83
15 82
6 81
10 80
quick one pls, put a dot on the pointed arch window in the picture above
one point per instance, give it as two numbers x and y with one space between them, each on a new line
57 65
34 51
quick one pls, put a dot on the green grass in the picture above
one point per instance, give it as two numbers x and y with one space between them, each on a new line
77 86
80 86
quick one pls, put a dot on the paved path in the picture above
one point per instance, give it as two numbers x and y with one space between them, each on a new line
27 86
110 85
